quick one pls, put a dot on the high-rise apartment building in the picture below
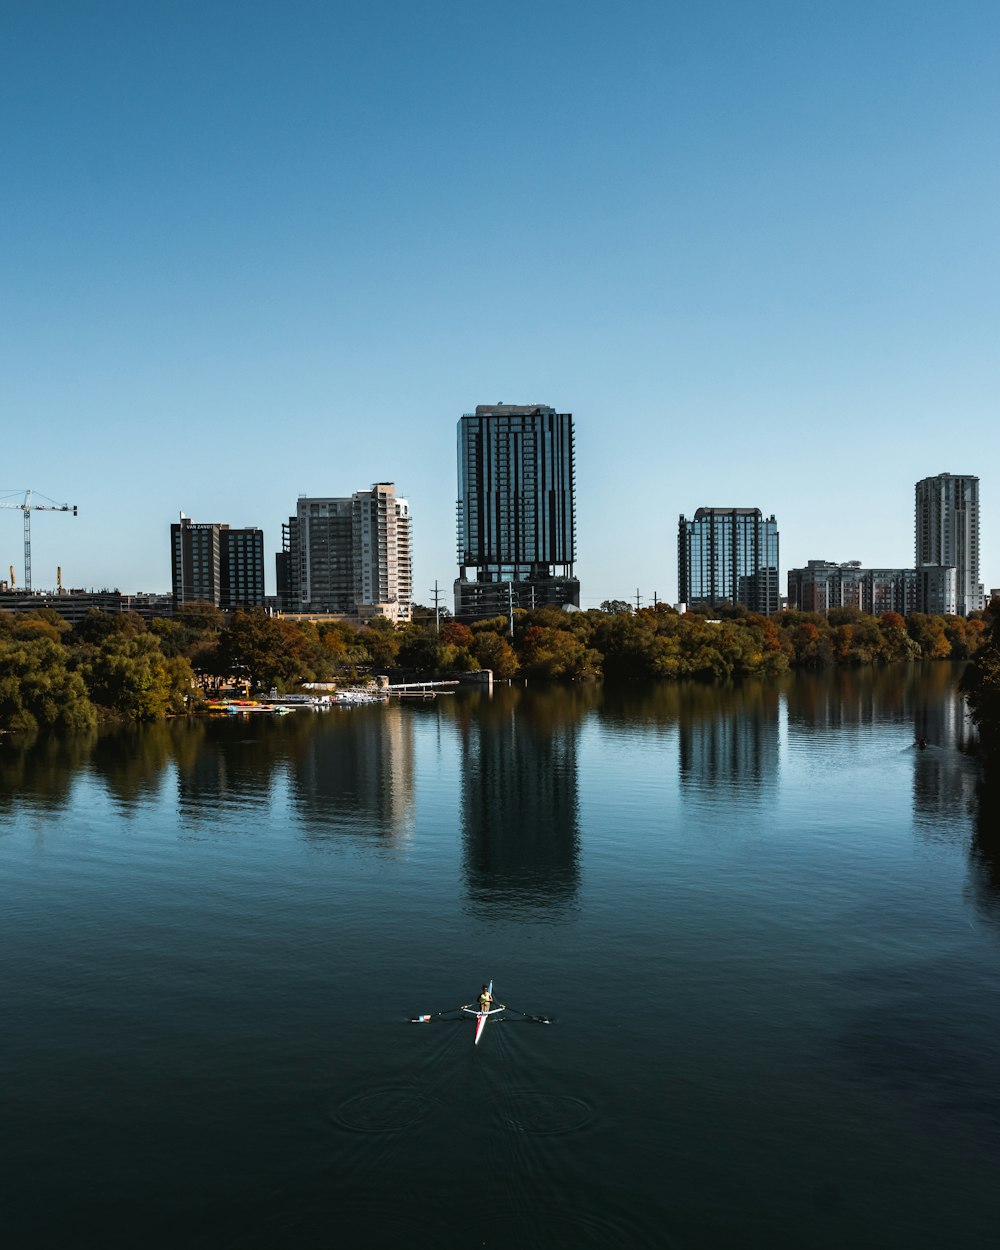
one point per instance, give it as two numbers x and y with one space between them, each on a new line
350 555
728 555
823 585
216 564
947 536
516 510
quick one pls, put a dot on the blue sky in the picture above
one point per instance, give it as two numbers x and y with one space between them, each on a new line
257 250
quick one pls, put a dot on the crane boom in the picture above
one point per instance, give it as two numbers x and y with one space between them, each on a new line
27 507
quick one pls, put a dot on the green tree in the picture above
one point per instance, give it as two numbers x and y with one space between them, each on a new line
380 640
557 654
928 633
255 648
491 650
200 615
981 684
419 651
39 691
128 675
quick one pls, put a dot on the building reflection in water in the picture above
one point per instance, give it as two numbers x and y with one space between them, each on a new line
848 698
984 852
729 744
225 766
355 773
520 798
944 771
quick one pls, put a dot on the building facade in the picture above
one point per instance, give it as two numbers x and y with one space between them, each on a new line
946 523
349 555
823 585
516 510
728 556
214 563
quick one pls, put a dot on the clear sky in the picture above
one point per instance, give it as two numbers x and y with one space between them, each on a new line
252 250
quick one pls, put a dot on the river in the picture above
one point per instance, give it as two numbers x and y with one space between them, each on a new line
764 922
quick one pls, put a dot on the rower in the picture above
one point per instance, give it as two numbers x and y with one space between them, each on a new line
485 999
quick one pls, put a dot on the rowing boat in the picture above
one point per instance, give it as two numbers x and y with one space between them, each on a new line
455 1013
483 1017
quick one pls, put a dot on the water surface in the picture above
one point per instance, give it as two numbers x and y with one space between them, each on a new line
764 922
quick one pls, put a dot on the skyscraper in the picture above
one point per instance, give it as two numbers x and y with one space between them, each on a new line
947 536
216 564
516 509
350 555
728 555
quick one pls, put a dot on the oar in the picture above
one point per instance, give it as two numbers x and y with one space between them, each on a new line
533 1019
435 1015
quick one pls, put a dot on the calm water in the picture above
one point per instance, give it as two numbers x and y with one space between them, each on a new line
766 926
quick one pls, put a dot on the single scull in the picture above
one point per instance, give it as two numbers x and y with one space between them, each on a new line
483 1016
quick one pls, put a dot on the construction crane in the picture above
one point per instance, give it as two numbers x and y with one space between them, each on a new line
27 507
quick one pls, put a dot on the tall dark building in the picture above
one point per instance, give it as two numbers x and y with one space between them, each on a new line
728 555
516 510
216 564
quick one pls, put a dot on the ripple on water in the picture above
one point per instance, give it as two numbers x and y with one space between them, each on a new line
542 1115
579 1224
382 1111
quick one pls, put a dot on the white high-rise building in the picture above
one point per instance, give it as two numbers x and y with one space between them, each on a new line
350 555
383 576
947 537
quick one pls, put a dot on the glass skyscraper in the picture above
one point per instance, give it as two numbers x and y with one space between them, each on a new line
728 556
516 510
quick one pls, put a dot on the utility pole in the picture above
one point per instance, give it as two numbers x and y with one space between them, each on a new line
654 601
437 607
637 598
510 606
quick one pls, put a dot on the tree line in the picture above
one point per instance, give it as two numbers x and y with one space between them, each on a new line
981 685
116 667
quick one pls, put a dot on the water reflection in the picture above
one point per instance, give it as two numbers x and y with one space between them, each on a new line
520 796
730 745
131 762
41 770
355 773
226 765
851 697
984 853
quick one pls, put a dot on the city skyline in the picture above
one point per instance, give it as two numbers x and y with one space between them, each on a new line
752 252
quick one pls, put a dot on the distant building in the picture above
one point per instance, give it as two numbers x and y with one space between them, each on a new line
728 556
348 555
937 590
823 585
73 605
214 563
516 510
947 536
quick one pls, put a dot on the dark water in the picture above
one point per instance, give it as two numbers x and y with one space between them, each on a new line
766 926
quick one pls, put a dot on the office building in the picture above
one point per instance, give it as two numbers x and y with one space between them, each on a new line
516 510
348 555
728 556
214 563
947 536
